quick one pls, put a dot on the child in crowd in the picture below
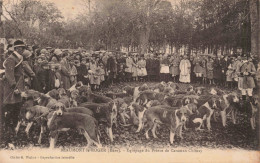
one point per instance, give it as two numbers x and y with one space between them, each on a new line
141 71
229 76
210 70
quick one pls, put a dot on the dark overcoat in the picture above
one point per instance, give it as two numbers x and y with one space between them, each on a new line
14 76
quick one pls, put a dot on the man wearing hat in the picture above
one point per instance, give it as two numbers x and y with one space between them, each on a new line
13 84
246 81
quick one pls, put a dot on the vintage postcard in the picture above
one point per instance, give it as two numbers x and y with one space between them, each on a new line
129 81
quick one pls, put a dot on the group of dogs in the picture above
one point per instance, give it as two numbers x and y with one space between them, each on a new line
144 107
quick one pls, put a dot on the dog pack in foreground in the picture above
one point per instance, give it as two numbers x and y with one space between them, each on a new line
141 108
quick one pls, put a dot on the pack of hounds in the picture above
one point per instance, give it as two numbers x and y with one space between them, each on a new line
144 107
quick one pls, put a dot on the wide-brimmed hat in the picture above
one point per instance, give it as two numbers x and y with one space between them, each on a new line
19 43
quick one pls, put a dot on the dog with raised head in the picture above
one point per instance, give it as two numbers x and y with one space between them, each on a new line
104 112
175 119
226 106
63 97
204 112
84 123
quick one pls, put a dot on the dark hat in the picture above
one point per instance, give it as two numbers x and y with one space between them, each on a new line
9 46
19 43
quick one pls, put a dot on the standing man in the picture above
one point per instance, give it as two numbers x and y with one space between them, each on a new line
111 68
246 81
13 85
65 71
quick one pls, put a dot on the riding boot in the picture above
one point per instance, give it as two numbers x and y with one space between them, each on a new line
244 103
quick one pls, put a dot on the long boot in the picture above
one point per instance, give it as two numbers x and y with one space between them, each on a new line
244 103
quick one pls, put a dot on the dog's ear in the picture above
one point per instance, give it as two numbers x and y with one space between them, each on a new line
178 113
230 98
63 107
210 101
53 107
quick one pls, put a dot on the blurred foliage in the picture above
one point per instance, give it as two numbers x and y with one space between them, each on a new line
143 25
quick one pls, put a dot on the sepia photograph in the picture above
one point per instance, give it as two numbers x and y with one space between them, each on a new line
129 81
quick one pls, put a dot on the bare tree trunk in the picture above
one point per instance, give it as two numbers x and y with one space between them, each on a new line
255 44
254 26
144 40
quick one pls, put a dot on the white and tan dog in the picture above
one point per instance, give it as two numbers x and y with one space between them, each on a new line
175 119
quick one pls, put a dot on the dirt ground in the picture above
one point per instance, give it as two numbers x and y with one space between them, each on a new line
233 136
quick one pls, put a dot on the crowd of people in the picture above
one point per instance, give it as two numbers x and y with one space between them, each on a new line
28 67
49 68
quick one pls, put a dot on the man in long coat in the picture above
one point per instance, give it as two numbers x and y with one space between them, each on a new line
217 72
149 62
65 72
111 68
13 85
155 68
